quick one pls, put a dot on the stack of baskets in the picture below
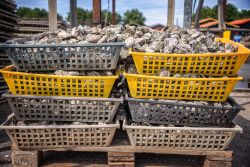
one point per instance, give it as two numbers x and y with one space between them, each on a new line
183 125
81 100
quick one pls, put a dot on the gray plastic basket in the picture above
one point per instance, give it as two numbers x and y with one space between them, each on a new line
64 56
183 138
59 136
179 114
53 108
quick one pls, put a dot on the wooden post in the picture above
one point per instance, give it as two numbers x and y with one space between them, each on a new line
52 15
221 14
188 13
198 14
225 8
171 6
113 12
96 11
73 13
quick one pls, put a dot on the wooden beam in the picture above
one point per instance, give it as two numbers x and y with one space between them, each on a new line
96 11
198 14
73 13
113 12
220 30
52 15
221 15
188 13
171 8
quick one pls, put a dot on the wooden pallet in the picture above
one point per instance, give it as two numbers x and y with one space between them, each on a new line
122 154
31 27
8 4
8 19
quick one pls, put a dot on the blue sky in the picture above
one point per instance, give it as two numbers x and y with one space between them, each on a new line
155 11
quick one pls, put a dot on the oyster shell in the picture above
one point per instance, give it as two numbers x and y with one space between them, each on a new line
93 38
169 40
66 73
62 34
130 41
164 73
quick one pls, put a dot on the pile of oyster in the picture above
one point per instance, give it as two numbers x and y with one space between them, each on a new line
140 38
166 73
147 109
78 73
191 102
83 73
48 123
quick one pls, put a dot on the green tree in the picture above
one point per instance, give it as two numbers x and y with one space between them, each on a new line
134 16
208 12
231 14
118 17
244 14
36 13
84 16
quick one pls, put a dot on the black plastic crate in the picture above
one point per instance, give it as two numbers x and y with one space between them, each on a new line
46 57
178 114
54 108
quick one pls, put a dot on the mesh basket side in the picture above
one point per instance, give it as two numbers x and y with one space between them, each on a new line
152 87
64 57
180 139
181 114
50 85
52 109
212 64
62 137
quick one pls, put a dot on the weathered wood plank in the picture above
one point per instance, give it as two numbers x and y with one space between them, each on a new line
26 158
121 164
208 163
128 148
121 157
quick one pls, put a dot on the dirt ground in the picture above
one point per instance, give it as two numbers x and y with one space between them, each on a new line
240 145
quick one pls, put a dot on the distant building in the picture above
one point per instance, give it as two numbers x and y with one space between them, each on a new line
214 24
242 23
157 27
206 20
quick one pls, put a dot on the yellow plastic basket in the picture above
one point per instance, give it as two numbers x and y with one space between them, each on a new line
209 89
53 85
212 64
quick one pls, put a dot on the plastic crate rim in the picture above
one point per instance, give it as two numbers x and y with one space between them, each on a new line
234 106
9 45
5 125
235 128
183 79
9 95
7 70
246 51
